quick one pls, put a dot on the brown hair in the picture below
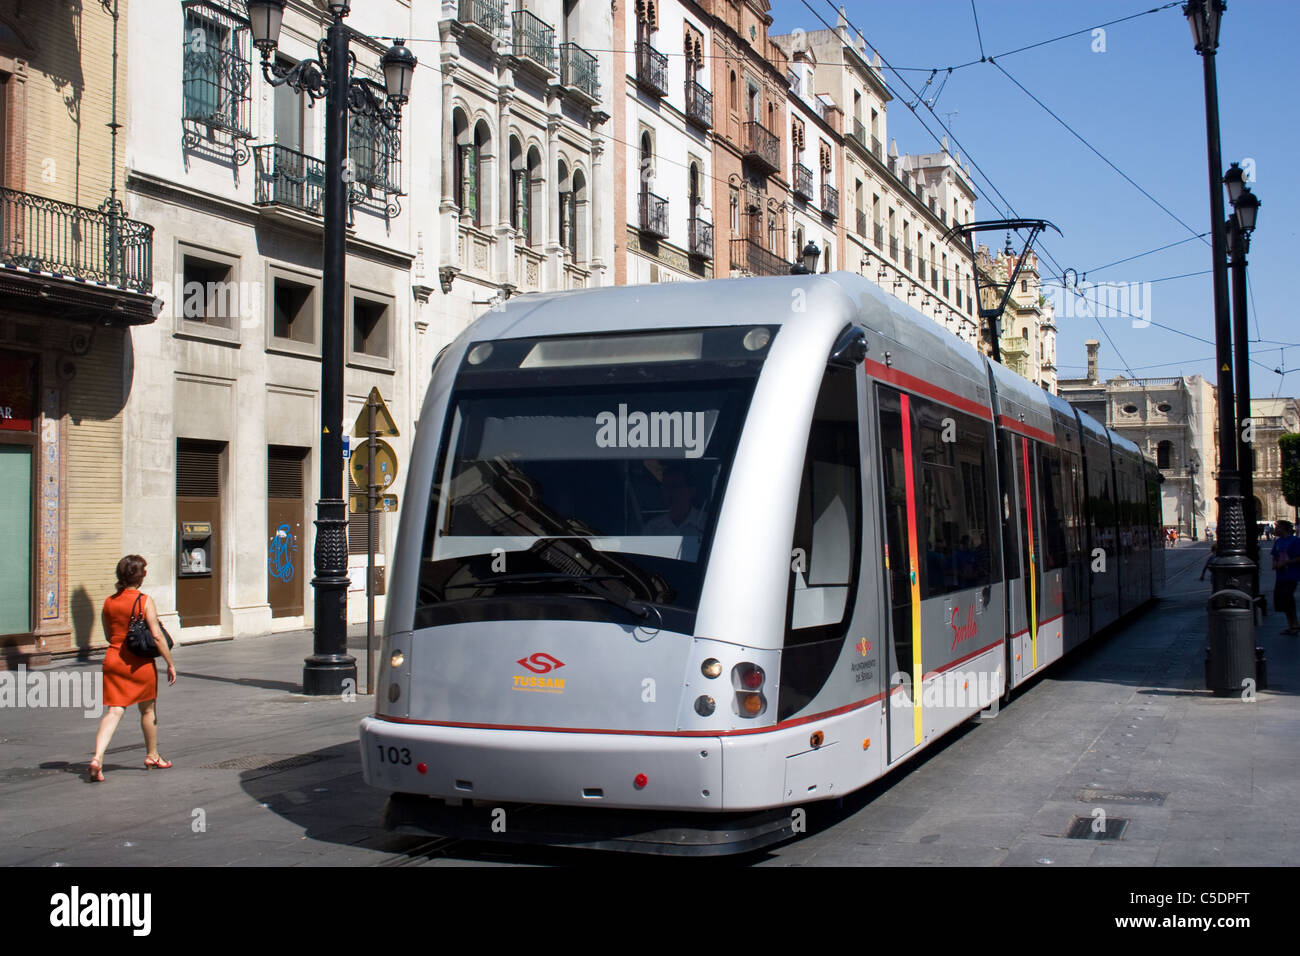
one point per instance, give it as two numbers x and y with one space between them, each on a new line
130 572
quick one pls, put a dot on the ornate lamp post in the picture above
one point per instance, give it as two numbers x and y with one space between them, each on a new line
1230 654
330 77
808 265
1245 208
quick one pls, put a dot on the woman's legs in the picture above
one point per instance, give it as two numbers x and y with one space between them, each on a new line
107 725
149 724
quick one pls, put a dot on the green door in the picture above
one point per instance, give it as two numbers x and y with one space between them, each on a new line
15 539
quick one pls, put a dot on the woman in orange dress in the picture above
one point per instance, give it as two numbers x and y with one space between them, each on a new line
128 678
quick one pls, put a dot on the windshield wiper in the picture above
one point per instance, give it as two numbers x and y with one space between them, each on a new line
631 605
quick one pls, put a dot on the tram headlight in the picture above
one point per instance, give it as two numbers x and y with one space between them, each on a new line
711 668
756 339
479 353
705 705
397 659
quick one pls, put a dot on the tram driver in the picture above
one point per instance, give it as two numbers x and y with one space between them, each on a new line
678 489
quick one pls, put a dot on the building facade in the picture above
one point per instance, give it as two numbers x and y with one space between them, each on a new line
814 148
523 158
663 113
1027 342
75 281
1272 418
221 459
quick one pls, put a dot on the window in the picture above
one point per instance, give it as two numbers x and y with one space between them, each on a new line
371 329
374 149
826 546
1164 454
1024 285
293 312
954 499
1051 492
207 294
216 67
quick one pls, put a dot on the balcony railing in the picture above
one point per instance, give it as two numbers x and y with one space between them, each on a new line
654 215
762 145
489 16
287 177
862 223
534 39
216 73
699 104
651 69
830 201
747 255
701 238
860 132
803 181
57 237
578 70
879 236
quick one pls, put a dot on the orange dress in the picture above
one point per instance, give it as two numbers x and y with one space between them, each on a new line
128 678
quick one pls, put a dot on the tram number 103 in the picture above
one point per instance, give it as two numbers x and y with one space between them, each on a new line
394 755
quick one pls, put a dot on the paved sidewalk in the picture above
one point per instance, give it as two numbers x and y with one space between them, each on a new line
266 776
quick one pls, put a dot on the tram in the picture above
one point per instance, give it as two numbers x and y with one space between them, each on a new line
729 547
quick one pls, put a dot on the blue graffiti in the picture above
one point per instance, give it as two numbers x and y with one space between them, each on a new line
279 554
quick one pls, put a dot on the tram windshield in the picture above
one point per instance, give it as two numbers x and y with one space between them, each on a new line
584 492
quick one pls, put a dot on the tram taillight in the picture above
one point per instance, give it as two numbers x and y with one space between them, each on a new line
751 676
748 680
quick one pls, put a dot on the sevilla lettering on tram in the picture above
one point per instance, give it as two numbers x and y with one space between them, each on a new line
963 632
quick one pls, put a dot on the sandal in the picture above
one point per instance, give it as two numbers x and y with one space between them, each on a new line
95 771
156 763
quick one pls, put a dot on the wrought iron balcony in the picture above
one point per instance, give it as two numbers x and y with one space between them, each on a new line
487 17
651 69
859 132
216 71
762 146
862 223
654 215
803 181
578 70
534 39
880 236
830 201
699 104
100 245
748 255
287 177
701 238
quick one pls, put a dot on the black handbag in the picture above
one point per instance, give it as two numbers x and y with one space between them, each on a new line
139 639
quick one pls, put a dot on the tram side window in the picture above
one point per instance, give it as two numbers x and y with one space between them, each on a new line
1070 473
1009 479
824 554
893 476
953 499
1101 508
1050 490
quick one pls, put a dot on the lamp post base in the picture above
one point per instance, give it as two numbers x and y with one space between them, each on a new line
329 675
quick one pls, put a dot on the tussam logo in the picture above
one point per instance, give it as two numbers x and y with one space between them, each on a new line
76 909
540 663
626 429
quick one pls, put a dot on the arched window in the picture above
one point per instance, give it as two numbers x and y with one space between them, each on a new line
463 146
476 174
581 225
647 168
533 198
518 186
693 190
564 207
1164 454
731 91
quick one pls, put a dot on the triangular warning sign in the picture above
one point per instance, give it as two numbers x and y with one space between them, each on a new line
384 424
1224 368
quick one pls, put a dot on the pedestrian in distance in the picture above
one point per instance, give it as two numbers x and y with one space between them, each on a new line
1286 562
128 678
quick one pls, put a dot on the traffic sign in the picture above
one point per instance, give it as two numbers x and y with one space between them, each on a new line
384 424
360 504
385 464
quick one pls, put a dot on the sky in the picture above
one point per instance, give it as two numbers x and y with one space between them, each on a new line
1136 93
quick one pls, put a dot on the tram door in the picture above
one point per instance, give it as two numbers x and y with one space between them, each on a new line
902 585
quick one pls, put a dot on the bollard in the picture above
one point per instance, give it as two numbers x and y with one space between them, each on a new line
1230 653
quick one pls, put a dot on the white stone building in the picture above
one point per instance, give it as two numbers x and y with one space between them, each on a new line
523 161
813 142
662 110
221 464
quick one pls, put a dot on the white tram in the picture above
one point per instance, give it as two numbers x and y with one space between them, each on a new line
730 546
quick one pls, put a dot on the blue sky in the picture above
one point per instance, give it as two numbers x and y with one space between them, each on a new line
1141 104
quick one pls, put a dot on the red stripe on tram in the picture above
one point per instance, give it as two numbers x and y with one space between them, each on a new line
919 385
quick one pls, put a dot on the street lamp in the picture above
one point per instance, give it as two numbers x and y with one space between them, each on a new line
330 77
809 264
1230 654
1245 208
